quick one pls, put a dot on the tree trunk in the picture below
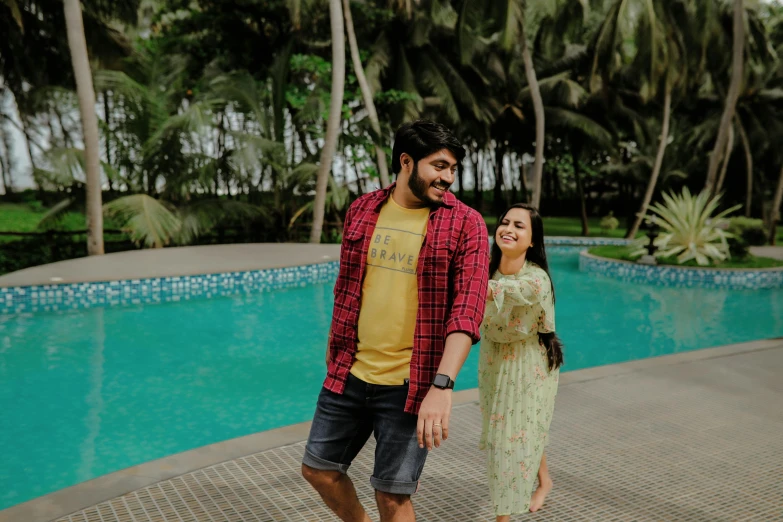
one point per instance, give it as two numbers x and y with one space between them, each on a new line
478 196
774 212
86 93
748 165
367 95
497 198
523 183
738 48
333 123
726 159
580 190
538 109
107 139
6 161
667 105
461 183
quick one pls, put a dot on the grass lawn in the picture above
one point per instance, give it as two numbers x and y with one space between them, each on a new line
568 226
624 253
18 217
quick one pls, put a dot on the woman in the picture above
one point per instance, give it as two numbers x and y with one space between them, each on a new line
519 364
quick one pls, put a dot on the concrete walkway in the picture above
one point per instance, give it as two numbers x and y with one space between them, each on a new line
775 252
176 261
688 437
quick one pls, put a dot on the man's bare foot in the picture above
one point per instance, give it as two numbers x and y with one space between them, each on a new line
540 495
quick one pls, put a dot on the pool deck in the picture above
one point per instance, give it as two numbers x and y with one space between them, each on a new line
175 261
195 260
694 436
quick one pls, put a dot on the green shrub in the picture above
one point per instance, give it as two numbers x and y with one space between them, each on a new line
690 229
745 233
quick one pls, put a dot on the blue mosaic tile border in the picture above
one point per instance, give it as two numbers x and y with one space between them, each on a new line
734 279
68 296
585 241
47 298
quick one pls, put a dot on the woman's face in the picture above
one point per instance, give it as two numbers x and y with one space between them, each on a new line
515 233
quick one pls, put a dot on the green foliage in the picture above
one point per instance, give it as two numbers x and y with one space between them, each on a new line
690 229
623 253
609 222
746 232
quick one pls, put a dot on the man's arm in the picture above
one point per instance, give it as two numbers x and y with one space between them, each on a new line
471 273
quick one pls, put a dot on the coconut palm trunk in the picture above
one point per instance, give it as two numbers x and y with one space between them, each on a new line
538 109
86 93
333 123
774 212
737 64
748 166
726 158
367 96
575 153
667 109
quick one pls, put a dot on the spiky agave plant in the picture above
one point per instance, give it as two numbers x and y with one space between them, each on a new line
690 230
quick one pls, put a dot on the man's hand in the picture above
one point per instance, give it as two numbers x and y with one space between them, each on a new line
433 425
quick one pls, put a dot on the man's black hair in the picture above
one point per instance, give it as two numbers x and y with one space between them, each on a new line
421 138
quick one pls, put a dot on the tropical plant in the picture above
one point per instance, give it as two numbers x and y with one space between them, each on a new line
745 233
154 223
690 230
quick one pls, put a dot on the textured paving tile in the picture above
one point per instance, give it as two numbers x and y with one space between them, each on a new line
700 441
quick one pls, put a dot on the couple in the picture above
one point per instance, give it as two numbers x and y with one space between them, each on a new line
417 288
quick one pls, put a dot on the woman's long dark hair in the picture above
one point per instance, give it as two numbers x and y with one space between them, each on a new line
537 254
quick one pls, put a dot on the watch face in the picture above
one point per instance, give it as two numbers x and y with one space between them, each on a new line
441 381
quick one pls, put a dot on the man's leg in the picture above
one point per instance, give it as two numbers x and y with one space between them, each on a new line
394 508
398 459
341 427
337 491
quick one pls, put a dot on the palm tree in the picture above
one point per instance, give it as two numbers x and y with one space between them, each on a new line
367 95
84 89
538 109
774 215
737 60
333 123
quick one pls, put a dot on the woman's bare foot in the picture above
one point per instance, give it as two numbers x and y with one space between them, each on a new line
503 518
540 495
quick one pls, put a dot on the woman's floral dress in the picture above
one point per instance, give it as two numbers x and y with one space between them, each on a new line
516 389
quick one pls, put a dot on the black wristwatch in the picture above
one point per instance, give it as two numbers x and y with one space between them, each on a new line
443 382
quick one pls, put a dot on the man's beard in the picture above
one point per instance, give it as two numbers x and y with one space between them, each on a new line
419 188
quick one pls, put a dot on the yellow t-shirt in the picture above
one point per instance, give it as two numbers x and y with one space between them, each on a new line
390 296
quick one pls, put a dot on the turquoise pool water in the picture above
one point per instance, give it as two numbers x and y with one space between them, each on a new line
89 392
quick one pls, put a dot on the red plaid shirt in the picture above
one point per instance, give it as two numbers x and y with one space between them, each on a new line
452 273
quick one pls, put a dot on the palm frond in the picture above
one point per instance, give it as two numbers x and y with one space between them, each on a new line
147 220
571 121
54 215
203 216
16 14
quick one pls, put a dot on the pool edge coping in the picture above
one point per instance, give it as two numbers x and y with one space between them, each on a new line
64 502
586 253
677 276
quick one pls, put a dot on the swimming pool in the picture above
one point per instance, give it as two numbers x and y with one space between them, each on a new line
88 392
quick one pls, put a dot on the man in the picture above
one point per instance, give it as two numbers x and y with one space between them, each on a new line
409 301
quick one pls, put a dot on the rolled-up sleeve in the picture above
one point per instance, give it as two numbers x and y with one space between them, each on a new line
471 274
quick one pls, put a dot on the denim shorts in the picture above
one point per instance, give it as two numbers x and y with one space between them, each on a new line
343 423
